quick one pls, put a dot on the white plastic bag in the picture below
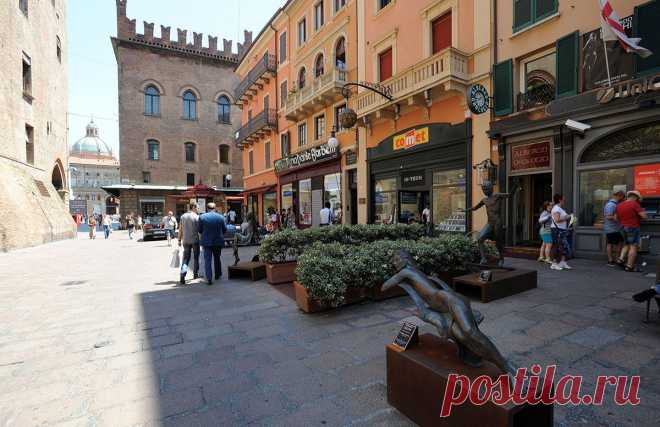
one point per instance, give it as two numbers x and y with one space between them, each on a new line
176 259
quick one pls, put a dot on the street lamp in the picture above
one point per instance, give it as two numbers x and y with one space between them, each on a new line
228 179
332 141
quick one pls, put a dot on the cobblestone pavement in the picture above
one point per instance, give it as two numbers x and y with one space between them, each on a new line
96 333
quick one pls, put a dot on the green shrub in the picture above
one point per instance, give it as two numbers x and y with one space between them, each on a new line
288 245
327 270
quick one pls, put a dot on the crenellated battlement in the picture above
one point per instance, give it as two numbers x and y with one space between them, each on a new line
126 30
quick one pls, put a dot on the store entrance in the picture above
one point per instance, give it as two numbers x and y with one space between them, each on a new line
411 205
526 207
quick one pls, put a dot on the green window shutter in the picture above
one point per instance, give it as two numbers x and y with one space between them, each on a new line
522 14
645 25
503 92
544 8
567 64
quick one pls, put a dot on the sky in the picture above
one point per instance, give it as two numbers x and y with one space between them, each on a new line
92 65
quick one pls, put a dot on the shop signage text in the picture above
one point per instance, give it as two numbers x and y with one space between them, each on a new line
307 157
530 156
411 139
413 179
351 157
647 180
629 88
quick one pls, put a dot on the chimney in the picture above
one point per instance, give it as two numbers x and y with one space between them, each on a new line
197 38
148 31
213 44
182 37
164 34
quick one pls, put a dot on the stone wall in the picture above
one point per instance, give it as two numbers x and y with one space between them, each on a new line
32 216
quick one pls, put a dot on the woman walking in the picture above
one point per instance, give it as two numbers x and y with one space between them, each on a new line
91 223
560 222
545 219
130 224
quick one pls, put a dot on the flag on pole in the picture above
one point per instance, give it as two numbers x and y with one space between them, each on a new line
613 30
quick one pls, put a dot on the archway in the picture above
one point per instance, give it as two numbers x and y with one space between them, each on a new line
57 179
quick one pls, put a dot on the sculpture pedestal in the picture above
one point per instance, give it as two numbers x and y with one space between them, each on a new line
417 379
250 270
504 283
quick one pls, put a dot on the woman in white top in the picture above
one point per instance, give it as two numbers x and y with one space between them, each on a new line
560 221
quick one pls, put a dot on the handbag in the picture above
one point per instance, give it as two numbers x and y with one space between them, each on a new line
201 272
176 259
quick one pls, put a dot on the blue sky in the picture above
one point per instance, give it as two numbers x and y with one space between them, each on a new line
92 65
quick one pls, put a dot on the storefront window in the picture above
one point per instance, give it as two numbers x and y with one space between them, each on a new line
385 200
270 204
449 196
287 196
596 188
305 191
332 194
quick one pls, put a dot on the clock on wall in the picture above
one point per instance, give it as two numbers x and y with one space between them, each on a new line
478 99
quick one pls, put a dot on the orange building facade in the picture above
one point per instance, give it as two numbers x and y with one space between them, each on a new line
565 125
418 149
290 96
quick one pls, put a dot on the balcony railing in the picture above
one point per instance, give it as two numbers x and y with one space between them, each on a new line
446 67
256 76
537 97
263 122
320 92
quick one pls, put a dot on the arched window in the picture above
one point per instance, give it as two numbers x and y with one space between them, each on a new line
340 54
302 74
190 151
189 105
153 150
224 110
151 101
318 66
224 153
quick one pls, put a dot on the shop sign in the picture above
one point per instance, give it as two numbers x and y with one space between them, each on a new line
647 180
306 158
530 156
78 206
413 179
629 88
411 139
351 157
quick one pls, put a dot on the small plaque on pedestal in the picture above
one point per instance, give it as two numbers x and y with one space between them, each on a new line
408 335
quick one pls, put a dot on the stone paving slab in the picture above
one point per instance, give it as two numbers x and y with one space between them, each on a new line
97 333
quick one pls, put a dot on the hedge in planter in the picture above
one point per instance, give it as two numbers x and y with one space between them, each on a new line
288 245
328 270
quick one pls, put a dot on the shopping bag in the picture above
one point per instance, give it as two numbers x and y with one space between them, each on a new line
201 272
176 258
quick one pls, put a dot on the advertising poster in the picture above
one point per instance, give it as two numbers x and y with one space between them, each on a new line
594 68
647 180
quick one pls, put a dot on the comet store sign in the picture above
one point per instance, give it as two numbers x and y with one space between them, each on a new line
411 139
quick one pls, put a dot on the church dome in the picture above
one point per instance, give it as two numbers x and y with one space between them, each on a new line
91 145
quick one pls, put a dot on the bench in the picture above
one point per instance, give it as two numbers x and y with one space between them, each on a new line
503 283
250 270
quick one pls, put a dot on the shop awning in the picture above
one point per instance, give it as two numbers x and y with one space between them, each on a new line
117 188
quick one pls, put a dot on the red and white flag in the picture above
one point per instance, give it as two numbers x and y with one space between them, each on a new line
613 30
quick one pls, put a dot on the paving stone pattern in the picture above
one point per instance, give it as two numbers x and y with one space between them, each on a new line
96 333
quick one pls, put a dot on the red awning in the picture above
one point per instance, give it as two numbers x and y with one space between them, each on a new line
200 190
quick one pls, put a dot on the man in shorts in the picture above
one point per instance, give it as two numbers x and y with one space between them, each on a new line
612 227
630 213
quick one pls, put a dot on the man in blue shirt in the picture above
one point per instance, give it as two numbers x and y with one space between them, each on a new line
612 228
212 230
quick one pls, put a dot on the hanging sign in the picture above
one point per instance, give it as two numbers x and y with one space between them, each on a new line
530 156
413 178
411 139
647 180
478 99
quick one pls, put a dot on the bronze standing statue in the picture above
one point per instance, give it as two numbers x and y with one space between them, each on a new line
494 229
449 312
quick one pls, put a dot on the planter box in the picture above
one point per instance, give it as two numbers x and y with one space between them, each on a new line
310 305
375 294
281 273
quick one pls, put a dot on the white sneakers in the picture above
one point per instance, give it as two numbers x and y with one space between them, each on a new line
561 266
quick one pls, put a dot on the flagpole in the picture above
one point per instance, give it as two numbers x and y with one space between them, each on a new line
607 61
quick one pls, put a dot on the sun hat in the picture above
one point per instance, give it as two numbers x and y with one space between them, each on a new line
636 193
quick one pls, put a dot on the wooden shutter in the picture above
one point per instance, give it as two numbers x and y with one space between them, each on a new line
567 64
645 25
544 8
441 28
503 92
385 64
522 13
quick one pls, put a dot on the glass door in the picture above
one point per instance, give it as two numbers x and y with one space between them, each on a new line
411 206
